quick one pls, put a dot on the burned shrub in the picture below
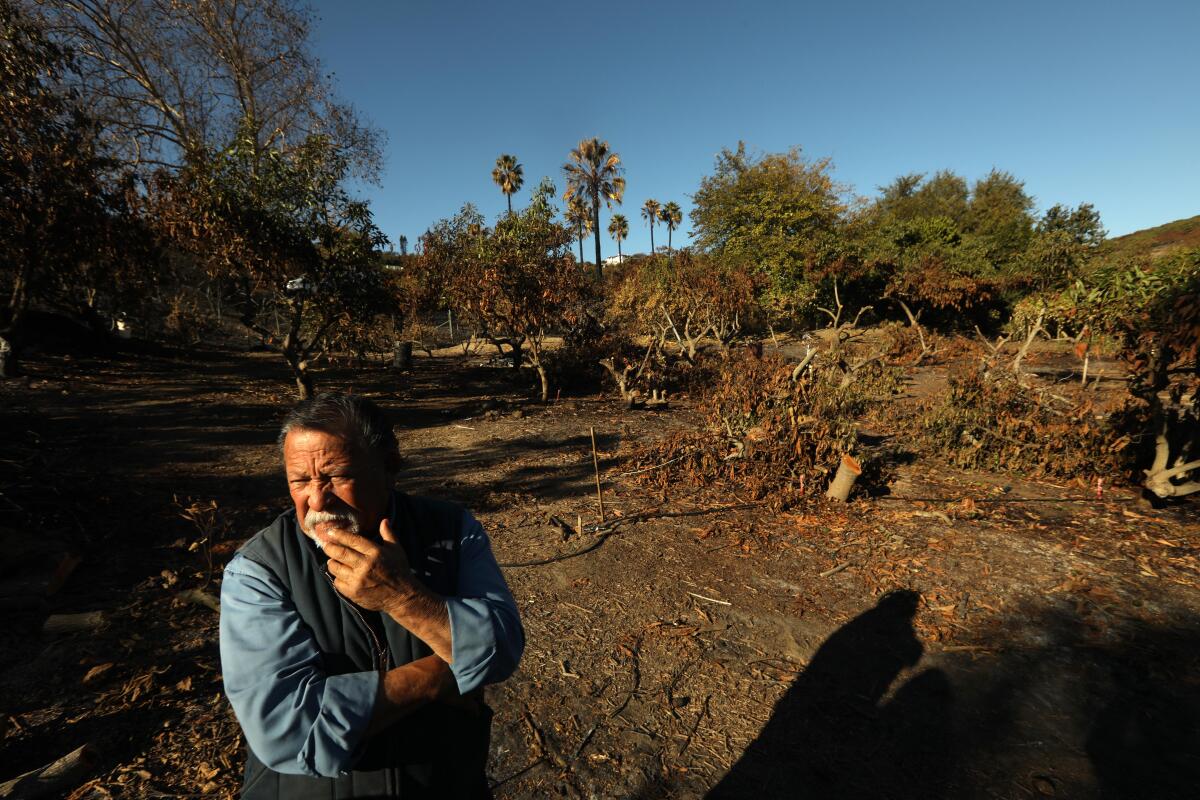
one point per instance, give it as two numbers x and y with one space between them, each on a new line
987 419
1150 311
573 364
910 345
775 429
689 302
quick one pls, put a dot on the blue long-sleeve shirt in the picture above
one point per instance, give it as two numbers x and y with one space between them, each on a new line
297 719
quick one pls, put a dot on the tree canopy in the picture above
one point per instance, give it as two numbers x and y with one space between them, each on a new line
280 231
775 212
67 222
517 281
169 80
594 172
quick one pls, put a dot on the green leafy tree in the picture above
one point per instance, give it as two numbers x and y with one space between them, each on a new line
1063 245
946 247
651 212
779 213
911 197
1000 215
618 229
1081 223
671 216
594 171
541 199
509 175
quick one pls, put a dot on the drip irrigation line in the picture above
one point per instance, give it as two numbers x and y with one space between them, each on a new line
603 530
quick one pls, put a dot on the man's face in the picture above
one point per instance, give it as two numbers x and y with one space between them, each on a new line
335 484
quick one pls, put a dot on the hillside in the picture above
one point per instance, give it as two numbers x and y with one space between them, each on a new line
1157 242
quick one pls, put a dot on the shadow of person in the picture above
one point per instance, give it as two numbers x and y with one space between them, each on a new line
833 734
1144 742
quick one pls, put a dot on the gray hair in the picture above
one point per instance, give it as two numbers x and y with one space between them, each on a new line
350 416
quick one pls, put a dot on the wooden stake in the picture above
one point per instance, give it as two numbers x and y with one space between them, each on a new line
596 467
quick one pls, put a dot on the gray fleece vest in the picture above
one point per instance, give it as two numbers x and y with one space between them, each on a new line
436 752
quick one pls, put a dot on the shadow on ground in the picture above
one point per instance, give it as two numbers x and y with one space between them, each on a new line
1062 708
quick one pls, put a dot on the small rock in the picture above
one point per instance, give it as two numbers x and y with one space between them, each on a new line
1044 786
518 413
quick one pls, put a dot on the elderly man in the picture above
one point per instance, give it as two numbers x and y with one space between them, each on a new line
358 629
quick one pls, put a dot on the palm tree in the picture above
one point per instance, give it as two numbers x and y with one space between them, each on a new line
579 215
509 176
671 215
651 212
594 171
618 228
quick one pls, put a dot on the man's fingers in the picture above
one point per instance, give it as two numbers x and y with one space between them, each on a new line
338 552
385 532
353 541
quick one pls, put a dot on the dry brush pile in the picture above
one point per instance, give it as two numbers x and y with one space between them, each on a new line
774 430
987 419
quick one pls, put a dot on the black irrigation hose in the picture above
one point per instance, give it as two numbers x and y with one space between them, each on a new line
607 529
542 561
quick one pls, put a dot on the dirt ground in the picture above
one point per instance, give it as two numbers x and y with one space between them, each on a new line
963 635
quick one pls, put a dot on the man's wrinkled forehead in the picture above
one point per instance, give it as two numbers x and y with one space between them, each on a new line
301 444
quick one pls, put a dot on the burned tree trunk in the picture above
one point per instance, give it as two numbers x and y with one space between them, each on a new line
1174 422
621 377
516 354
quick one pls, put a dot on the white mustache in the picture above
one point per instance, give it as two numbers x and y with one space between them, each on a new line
341 519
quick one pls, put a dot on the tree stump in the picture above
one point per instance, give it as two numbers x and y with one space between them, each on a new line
402 356
843 481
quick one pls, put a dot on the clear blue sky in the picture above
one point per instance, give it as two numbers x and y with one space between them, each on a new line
1090 101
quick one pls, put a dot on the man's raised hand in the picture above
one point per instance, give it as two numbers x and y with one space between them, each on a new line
377 576
374 574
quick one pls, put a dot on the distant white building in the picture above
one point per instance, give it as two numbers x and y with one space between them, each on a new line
613 261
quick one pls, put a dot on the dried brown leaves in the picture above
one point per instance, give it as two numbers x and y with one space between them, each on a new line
989 420
772 431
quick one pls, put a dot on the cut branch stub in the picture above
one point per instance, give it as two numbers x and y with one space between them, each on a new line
843 482
54 779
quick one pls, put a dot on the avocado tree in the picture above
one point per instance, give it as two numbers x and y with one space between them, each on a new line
774 212
68 223
517 281
284 238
